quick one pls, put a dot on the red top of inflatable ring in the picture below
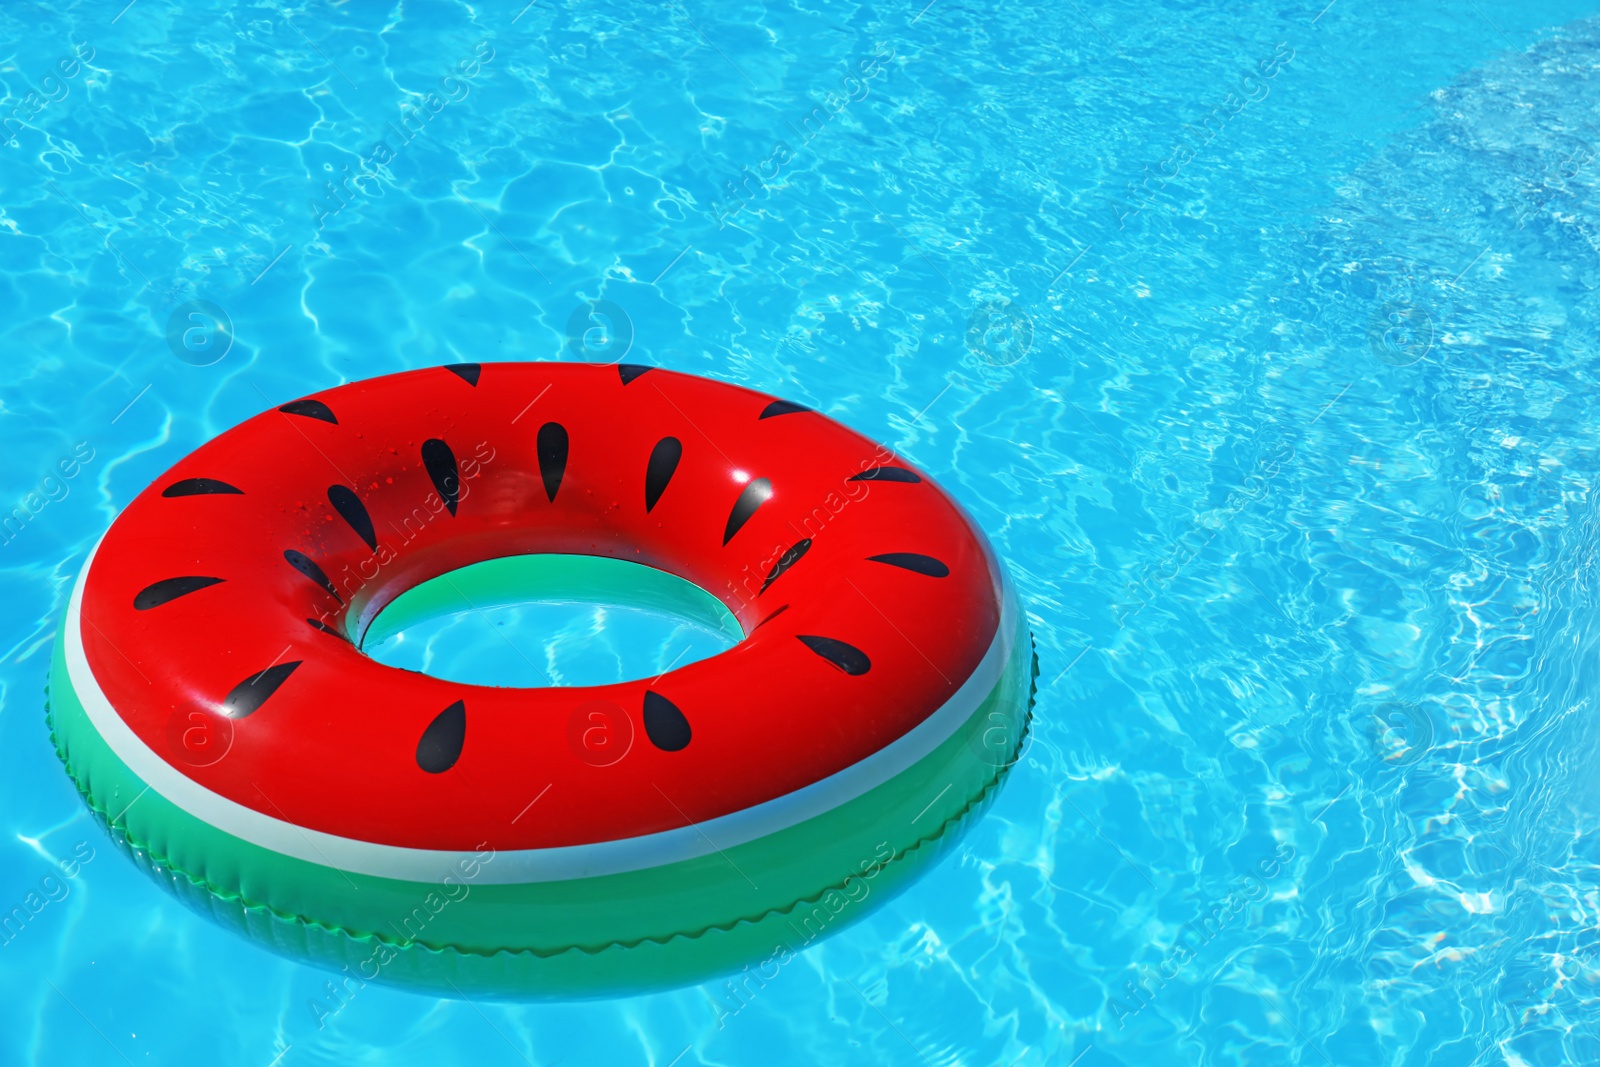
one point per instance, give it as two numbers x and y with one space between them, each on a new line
232 586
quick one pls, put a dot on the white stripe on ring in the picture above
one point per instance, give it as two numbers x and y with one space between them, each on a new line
534 864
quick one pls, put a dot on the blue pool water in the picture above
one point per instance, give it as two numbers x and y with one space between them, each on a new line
1262 339
538 635
538 644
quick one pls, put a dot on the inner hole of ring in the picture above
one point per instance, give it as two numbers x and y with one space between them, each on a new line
550 619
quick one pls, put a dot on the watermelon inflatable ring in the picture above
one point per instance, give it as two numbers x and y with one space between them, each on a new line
210 698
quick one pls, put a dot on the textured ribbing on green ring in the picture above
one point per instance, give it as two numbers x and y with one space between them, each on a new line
557 577
667 925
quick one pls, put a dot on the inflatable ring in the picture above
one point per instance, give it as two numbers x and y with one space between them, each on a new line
211 701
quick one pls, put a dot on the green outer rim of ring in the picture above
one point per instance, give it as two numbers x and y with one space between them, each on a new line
664 926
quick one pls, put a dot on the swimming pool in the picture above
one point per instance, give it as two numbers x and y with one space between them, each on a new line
1259 338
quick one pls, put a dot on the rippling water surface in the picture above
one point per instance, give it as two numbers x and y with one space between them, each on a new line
1261 338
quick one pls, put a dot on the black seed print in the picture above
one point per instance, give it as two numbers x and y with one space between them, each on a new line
308 567
769 618
781 407
318 624
658 472
441 742
441 465
169 589
847 658
552 448
754 495
913 561
199 487
251 693
354 512
785 561
886 474
664 724
467 372
629 371
311 409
